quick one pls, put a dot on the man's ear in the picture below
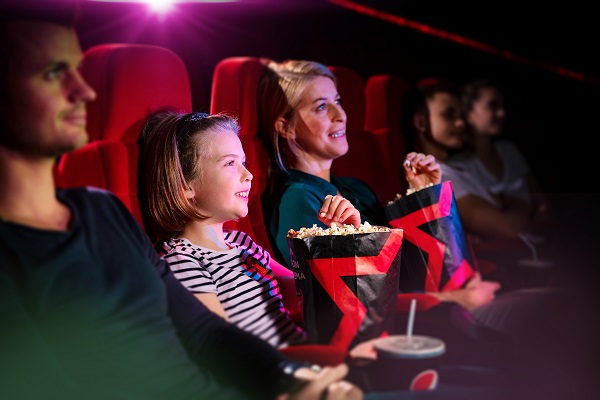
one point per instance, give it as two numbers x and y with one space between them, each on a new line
419 122
282 126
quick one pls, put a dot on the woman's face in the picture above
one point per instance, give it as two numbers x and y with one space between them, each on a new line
222 187
487 114
446 122
321 122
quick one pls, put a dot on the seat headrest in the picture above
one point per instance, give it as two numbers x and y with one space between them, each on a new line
234 90
351 87
131 81
384 97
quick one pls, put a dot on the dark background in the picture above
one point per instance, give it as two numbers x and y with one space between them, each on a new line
556 113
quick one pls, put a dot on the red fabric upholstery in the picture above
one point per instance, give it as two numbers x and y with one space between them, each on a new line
384 95
131 81
368 157
234 92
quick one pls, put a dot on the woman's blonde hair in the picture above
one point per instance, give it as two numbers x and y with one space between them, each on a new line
279 92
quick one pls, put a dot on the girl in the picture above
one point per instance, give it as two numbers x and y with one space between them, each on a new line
195 180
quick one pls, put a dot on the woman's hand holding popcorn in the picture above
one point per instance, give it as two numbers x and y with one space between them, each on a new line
337 209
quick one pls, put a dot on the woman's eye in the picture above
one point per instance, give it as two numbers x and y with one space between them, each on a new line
321 107
338 101
230 163
245 164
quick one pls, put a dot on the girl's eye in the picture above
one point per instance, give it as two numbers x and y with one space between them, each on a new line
230 163
245 164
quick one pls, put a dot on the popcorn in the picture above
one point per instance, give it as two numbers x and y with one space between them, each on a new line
335 229
409 191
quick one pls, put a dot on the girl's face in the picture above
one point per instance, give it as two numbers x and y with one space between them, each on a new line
487 114
321 122
446 122
222 187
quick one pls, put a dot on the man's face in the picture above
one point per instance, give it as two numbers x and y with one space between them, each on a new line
43 110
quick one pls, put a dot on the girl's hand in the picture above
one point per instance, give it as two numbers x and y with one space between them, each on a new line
422 170
339 210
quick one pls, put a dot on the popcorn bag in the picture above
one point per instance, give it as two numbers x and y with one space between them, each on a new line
436 255
348 282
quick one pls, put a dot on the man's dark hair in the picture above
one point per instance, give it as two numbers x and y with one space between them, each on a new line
61 12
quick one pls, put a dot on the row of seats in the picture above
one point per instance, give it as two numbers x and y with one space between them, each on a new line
132 80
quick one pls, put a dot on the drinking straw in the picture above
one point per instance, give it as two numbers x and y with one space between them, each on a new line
411 320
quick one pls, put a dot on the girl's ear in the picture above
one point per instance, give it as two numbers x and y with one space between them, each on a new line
282 126
419 122
190 193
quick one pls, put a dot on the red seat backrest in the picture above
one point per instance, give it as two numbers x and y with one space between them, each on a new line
368 157
234 92
131 80
384 95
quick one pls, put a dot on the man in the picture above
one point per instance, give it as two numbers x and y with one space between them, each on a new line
87 308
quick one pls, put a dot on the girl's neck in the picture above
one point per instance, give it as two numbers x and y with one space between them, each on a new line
210 236
440 153
483 146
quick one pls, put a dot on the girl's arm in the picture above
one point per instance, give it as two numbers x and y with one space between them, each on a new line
211 301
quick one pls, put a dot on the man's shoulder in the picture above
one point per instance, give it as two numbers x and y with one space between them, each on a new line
92 200
86 192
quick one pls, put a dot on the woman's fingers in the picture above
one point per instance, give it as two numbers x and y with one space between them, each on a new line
338 209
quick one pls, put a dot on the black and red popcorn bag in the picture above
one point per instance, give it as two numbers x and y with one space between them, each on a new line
348 283
436 254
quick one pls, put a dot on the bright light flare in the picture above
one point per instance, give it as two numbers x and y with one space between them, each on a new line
160 6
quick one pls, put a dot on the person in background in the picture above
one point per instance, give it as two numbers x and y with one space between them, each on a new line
302 116
433 122
194 180
88 309
493 159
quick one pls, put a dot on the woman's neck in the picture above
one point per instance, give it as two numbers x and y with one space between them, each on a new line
206 235
320 169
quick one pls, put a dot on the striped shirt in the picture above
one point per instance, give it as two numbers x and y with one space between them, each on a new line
243 282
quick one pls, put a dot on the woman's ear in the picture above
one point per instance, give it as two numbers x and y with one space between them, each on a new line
282 126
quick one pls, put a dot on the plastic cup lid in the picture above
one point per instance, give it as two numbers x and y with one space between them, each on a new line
397 346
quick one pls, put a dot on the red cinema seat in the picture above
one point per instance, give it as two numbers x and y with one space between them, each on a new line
130 80
368 157
234 92
384 95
